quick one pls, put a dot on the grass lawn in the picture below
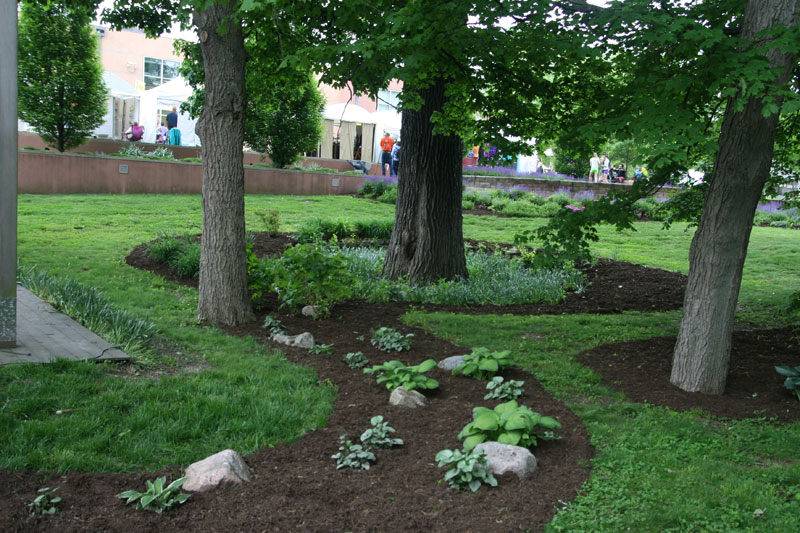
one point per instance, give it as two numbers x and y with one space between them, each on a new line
655 471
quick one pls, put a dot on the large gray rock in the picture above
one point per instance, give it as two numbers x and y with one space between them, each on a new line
304 340
221 469
309 311
505 458
450 363
407 398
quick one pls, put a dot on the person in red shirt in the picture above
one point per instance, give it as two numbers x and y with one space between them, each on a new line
386 153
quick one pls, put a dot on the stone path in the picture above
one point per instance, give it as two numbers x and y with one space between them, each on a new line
44 334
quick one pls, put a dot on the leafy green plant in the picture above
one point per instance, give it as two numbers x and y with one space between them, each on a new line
307 275
482 363
500 390
508 423
322 349
274 325
388 340
792 378
132 150
271 220
378 434
395 374
356 360
45 502
162 152
157 497
353 456
466 470
316 230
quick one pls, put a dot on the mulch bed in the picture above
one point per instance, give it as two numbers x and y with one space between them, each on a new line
297 487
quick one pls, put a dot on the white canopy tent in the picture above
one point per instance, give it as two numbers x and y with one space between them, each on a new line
347 122
122 103
159 101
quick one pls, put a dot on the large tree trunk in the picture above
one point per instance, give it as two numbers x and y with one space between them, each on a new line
427 242
718 250
223 297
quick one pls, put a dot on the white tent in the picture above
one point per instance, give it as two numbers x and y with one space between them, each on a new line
122 101
347 113
160 100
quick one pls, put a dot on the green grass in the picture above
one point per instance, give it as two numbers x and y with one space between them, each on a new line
656 470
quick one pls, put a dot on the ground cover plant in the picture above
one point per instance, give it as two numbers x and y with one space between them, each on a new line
672 468
158 496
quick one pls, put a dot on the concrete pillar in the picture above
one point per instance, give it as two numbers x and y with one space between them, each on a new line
8 173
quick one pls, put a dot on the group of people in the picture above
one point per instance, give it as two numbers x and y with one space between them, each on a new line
390 155
602 171
165 134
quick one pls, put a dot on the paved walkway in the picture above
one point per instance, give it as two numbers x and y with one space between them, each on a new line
44 334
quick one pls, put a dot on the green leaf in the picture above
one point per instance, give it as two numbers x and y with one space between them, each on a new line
507 406
519 420
489 365
472 441
487 421
510 437
425 366
549 423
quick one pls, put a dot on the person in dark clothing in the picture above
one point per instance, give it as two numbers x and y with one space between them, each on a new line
172 118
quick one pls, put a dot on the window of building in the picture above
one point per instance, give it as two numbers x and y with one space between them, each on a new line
158 71
388 99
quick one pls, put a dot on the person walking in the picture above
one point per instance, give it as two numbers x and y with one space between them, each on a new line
386 153
594 168
395 157
172 118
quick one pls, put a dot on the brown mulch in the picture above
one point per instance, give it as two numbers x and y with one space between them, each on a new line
296 486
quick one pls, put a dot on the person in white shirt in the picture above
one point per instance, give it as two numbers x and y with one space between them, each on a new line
594 165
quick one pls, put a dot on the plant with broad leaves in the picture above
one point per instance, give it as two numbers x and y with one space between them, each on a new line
157 497
395 374
356 360
389 340
45 502
274 325
482 363
467 469
378 434
353 456
322 349
792 378
504 390
508 423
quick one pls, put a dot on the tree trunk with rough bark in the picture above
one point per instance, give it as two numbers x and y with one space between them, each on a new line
427 242
223 297
719 247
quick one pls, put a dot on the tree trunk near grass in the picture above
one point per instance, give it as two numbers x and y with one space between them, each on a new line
223 296
719 247
427 242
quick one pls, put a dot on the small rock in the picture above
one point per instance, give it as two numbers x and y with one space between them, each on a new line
505 458
221 469
309 311
280 338
406 398
450 363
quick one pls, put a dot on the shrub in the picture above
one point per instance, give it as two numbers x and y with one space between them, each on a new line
162 152
395 374
373 229
259 275
274 325
389 340
388 197
523 208
466 470
157 497
182 254
378 434
187 262
353 456
499 204
356 360
508 423
45 503
132 150
319 229
482 363
467 205
499 390
271 220
372 187
306 275
561 199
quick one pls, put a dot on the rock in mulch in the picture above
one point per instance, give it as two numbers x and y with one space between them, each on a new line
304 340
449 364
407 398
221 469
505 458
309 311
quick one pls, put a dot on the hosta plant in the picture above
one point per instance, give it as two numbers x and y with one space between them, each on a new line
395 374
378 434
792 378
356 360
157 497
353 456
466 470
508 423
274 325
322 349
504 390
389 340
482 363
45 502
